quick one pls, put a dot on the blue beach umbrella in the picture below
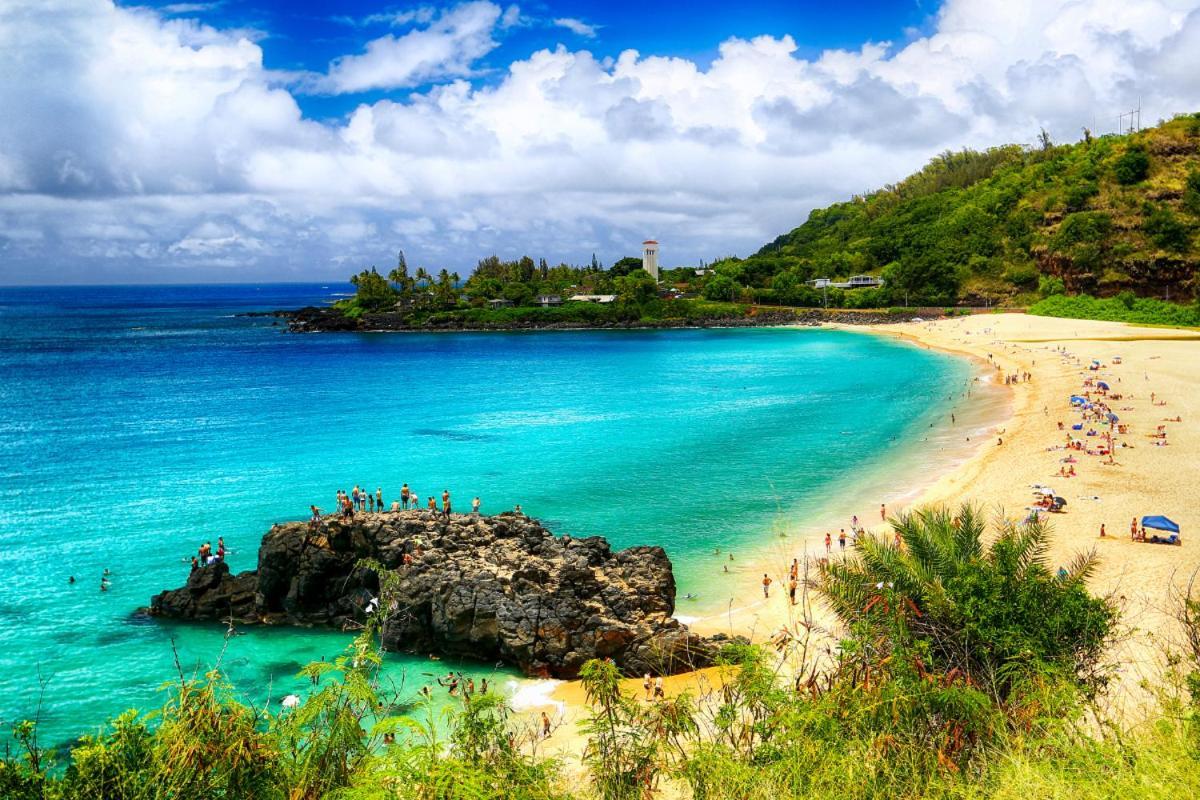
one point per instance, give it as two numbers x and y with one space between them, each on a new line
1160 523
1102 385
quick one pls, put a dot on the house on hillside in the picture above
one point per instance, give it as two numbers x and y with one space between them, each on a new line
592 298
855 282
547 300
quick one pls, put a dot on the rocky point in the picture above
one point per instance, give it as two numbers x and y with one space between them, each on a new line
487 587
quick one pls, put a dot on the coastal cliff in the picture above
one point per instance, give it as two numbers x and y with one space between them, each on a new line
491 588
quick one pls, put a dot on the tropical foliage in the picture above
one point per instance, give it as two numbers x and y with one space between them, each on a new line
1103 215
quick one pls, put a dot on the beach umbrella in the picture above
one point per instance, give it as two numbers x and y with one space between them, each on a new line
1112 417
1102 385
1160 523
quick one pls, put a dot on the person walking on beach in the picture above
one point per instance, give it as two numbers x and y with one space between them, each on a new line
646 685
883 511
794 572
658 688
766 583
828 543
842 539
1101 530
792 584
404 496
545 726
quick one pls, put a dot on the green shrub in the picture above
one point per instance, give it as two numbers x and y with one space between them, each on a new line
1078 195
1191 192
1144 310
1132 166
1165 229
1050 285
1083 237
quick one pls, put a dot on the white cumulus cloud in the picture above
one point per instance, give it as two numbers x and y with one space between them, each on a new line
577 26
133 143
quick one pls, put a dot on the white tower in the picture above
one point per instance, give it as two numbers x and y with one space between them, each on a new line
650 257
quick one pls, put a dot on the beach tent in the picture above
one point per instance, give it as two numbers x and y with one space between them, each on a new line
1076 400
1160 523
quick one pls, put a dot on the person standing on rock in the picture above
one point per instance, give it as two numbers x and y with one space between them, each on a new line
404 496
475 506
432 505
355 497
379 497
446 503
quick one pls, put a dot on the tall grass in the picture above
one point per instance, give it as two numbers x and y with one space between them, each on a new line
905 707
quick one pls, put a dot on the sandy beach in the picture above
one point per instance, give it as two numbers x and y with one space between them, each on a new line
1017 453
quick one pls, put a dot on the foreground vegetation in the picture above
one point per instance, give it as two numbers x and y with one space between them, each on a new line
965 671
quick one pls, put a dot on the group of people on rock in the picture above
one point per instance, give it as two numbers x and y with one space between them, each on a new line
205 555
357 499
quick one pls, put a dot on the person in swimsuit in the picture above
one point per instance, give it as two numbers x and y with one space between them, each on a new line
792 584
379 497
475 506
404 496
766 584
446 503
828 543
432 505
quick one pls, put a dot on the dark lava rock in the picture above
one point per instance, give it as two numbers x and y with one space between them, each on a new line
490 588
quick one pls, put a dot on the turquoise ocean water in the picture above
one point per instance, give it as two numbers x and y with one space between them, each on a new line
136 423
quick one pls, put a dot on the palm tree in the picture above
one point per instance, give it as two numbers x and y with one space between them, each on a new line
977 608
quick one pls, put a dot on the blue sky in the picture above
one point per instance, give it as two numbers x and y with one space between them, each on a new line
200 140
308 35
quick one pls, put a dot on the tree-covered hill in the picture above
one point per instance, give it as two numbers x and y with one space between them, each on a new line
1010 224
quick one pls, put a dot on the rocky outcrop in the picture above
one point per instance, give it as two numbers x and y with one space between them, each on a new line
492 588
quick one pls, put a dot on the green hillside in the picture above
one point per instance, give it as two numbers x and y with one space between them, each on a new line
1008 225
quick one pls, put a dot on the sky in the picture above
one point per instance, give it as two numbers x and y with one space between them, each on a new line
282 140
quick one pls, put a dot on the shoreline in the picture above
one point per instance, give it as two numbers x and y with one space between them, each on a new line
860 495
1140 578
758 619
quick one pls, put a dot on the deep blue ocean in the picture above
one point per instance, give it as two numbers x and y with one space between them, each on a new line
138 422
